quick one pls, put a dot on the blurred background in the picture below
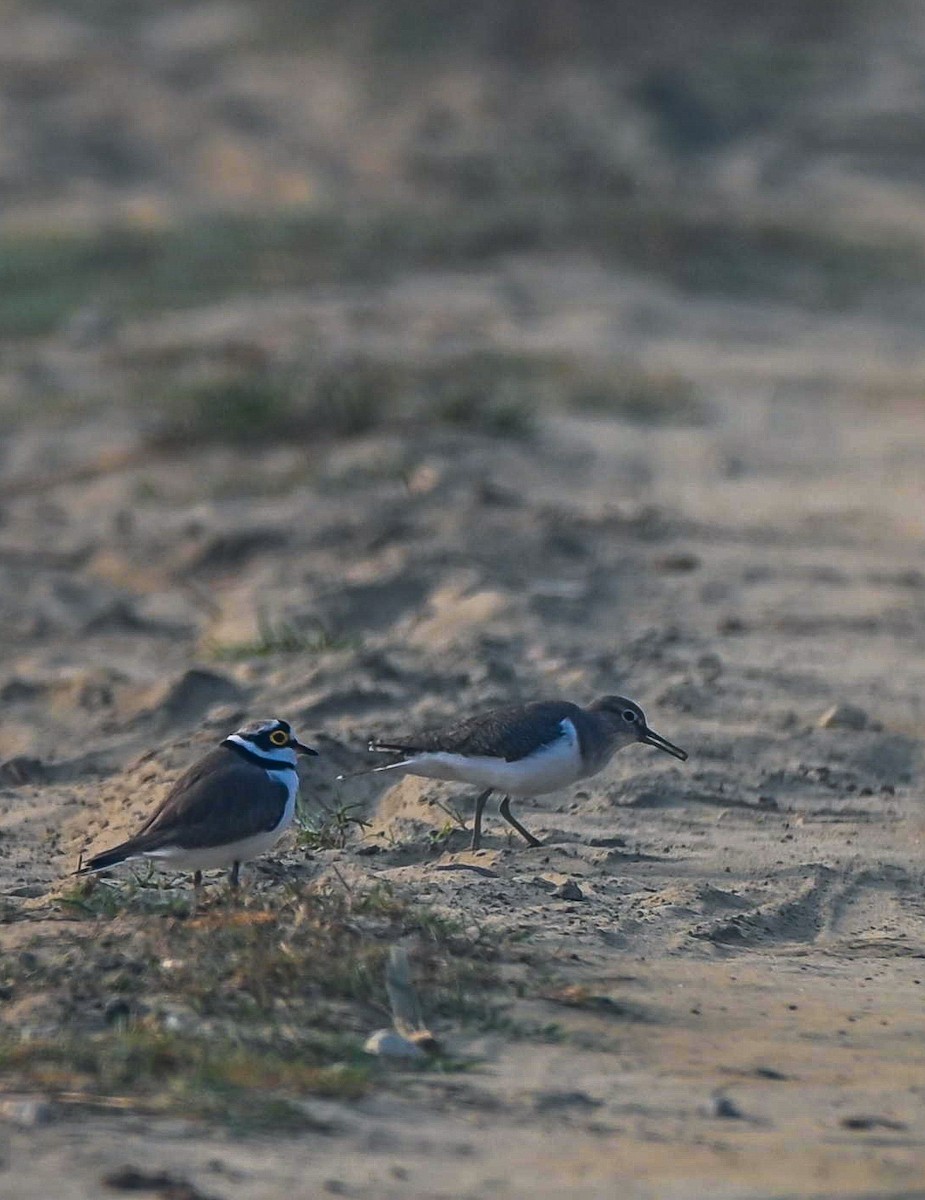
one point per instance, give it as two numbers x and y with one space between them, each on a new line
368 364
303 304
355 213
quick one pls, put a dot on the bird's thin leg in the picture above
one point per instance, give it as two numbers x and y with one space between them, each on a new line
477 819
505 811
197 880
234 876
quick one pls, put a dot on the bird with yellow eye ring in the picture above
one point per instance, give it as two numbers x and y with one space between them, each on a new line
231 806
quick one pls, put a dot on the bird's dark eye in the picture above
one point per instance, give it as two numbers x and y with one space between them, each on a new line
279 738
629 715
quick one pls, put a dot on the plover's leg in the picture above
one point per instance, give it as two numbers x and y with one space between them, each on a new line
477 819
234 876
197 880
505 811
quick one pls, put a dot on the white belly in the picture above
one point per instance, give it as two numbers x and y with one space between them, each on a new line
210 858
555 766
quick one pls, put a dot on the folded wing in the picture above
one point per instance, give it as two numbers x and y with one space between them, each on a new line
219 800
508 733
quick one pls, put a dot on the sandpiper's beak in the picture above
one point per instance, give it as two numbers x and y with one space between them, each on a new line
651 738
299 748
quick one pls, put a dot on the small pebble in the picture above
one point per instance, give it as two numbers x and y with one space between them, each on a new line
680 561
844 716
548 1101
866 1121
386 1043
22 769
117 1012
27 891
726 1108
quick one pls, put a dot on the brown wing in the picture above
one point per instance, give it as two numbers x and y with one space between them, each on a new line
509 733
210 764
222 798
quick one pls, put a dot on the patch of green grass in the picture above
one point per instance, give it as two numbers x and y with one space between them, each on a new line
380 899
443 928
500 393
728 254
340 398
243 409
438 839
483 392
634 393
94 897
455 823
500 1020
46 278
356 395
246 1005
246 1087
279 637
487 393
328 828
237 1010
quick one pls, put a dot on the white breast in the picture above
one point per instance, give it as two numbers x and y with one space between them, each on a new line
555 766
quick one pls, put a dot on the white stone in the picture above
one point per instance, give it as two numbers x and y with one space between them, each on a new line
388 1044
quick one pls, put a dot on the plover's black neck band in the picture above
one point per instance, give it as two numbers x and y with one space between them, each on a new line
251 756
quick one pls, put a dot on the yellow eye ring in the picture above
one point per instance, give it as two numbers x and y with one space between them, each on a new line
279 738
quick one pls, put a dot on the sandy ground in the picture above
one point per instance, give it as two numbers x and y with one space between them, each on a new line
735 1004
733 1008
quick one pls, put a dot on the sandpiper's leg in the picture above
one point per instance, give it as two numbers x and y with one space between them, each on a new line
197 880
477 819
234 880
505 811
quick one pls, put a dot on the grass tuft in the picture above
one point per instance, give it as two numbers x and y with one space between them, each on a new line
92 896
355 396
279 637
237 1011
44 279
328 828
249 408
634 393
250 1088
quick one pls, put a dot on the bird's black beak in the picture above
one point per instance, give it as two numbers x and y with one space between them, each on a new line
300 748
651 738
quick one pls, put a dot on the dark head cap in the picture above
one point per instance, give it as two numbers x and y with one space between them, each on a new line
274 734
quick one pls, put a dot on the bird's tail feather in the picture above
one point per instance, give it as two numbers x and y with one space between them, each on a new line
108 858
372 770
